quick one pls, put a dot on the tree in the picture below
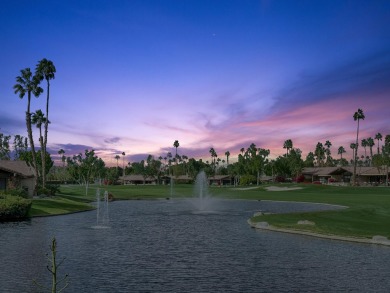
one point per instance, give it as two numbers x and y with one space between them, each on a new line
341 151
38 118
370 143
176 145
329 159
227 154
123 164
359 115
45 69
364 144
27 83
288 144
83 168
378 137
319 153
309 161
4 147
117 157
20 146
61 152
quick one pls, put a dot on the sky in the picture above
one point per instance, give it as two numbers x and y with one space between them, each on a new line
134 76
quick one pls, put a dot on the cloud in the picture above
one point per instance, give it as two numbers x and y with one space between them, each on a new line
11 125
363 76
112 140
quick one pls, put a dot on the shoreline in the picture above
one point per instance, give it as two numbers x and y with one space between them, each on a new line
379 240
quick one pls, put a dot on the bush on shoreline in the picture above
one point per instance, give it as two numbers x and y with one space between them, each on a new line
14 208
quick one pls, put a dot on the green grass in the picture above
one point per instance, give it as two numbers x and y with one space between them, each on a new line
368 211
58 205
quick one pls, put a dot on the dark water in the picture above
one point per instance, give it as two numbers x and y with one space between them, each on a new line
166 246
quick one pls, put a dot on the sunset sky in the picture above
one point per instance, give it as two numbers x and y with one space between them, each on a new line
134 76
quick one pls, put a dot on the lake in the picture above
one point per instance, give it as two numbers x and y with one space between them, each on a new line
171 246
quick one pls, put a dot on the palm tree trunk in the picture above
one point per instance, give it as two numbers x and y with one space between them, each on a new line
31 139
43 157
44 143
355 158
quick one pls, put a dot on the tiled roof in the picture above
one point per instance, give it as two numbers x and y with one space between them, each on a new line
362 171
136 177
18 167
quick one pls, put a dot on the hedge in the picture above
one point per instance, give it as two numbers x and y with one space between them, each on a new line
14 208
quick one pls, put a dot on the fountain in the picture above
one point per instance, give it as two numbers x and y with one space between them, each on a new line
201 190
171 187
102 216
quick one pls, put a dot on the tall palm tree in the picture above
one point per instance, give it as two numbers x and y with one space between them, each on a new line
117 157
227 154
176 145
370 143
45 69
61 152
357 116
378 137
288 144
364 144
341 151
123 165
38 118
27 83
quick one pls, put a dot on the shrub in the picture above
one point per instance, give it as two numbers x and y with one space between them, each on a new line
14 208
280 179
18 192
300 179
49 190
247 179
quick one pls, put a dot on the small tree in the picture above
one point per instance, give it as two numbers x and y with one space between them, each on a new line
53 269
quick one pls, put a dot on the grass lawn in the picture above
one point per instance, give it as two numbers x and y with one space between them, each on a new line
368 211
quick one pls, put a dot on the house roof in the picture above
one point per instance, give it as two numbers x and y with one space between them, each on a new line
18 167
136 177
219 177
327 171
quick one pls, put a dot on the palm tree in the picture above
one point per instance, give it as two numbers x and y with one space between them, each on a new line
341 151
117 157
227 154
353 147
359 115
319 153
370 143
364 144
45 69
288 144
176 145
378 137
27 83
169 155
213 155
61 152
123 164
38 118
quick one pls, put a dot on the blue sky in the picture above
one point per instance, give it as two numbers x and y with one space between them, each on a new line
134 76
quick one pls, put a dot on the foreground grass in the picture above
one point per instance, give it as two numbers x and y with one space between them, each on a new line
368 211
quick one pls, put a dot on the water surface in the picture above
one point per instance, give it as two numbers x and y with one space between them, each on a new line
170 246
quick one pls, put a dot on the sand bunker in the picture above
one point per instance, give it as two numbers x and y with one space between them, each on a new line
277 188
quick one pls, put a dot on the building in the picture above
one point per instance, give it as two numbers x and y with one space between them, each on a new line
135 179
17 174
364 175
